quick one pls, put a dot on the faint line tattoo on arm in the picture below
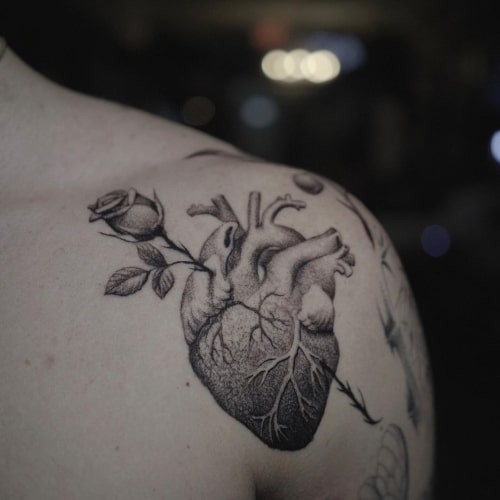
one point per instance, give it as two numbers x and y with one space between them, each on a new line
312 185
390 480
402 330
257 309
349 203
398 314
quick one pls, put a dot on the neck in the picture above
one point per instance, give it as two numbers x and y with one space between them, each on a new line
27 100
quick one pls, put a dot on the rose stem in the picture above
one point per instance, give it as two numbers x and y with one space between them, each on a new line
182 249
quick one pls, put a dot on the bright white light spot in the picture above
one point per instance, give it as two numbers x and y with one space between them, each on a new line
293 64
435 240
495 146
273 65
299 64
259 111
320 66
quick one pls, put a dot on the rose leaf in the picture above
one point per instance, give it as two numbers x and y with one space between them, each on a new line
163 280
151 255
126 281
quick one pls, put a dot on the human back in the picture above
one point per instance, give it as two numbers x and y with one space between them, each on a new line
180 320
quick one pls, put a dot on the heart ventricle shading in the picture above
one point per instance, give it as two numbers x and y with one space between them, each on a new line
260 373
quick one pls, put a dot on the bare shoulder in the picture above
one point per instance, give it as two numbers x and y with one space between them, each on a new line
196 297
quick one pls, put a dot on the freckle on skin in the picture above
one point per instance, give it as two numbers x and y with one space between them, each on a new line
117 448
27 362
49 361
187 384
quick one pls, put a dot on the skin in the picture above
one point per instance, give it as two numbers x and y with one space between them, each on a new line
97 397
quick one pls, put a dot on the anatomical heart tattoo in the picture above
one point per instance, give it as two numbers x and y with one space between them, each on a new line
257 308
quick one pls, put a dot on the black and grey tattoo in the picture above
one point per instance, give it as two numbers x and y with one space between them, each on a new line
349 203
402 329
257 309
391 478
308 183
226 154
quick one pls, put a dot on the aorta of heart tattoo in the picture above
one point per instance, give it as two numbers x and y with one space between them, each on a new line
257 308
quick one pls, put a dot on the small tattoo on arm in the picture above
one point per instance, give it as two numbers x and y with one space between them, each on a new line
391 478
257 309
349 203
308 183
232 155
403 333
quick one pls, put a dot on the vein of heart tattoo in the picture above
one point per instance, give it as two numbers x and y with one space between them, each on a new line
257 309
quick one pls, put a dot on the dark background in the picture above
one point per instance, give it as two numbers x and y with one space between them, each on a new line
408 131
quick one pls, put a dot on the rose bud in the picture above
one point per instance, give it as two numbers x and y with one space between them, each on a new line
130 213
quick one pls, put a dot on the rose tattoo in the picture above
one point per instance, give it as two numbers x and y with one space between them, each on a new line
130 213
257 309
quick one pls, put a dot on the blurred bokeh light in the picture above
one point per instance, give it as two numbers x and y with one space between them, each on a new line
259 111
348 48
495 146
435 240
198 111
299 64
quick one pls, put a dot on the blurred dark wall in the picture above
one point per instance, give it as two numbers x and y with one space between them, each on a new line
408 131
